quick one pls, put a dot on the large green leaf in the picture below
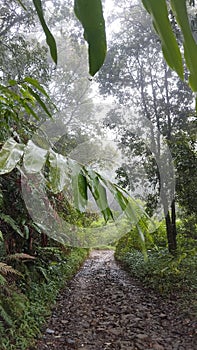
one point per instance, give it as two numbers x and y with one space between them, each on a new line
90 14
102 202
132 210
99 193
49 37
10 155
58 172
34 158
190 46
159 12
128 205
79 186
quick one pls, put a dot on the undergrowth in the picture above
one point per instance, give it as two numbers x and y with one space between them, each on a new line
26 303
167 274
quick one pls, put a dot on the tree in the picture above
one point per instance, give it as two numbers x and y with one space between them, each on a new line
70 91
19 102
138 77
185 157
13 16
94 27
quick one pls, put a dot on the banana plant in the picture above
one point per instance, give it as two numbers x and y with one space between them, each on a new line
60 169
57 171
171 50
90 14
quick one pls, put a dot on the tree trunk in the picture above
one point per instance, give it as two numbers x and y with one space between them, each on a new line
170 219
173 216
171 234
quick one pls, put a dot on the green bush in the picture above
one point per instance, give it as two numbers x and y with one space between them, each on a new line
28 308
162 271
188 225
131 241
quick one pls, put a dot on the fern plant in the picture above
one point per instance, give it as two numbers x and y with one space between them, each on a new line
20 257
7 270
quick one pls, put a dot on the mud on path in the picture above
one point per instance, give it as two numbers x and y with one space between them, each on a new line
104 308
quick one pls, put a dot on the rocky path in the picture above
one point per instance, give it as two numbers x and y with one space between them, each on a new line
104 308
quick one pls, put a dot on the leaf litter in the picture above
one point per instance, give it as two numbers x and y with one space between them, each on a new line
104 308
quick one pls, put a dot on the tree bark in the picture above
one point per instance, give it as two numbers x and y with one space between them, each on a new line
171 234
170 220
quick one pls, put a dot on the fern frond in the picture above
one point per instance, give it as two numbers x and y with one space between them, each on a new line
20 256
7 269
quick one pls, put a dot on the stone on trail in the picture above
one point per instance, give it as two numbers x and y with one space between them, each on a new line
104 308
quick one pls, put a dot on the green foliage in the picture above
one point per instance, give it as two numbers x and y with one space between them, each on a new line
185 157
190 46
187 226
21 97
90 14
49 37
31 163
11 222
12 307
58 171
11 153
162 105
61 169
72 215
2 280
95 183
162 271
4 316
80 187
171 51
24 310
131 241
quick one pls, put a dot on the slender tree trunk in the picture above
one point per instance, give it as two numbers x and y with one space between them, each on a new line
171 234
174 230
170 219
167 198
170 216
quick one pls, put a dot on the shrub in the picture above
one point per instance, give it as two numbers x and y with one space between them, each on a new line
23 312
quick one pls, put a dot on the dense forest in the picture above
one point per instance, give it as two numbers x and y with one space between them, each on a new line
98 149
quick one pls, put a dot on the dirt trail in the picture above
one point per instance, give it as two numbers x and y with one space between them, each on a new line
104 308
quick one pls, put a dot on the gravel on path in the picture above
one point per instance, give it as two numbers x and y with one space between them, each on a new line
104 308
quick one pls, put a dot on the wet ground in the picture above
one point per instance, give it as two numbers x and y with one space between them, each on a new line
104 308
